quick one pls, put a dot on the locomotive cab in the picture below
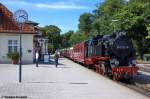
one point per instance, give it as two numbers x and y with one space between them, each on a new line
95 50
96 47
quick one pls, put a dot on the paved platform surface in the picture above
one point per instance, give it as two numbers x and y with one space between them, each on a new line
68 81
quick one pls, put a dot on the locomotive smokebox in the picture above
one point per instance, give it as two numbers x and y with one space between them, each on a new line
121 47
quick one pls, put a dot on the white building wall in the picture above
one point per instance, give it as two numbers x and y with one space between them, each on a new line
27 47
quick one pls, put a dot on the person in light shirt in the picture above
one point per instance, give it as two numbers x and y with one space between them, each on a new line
37 58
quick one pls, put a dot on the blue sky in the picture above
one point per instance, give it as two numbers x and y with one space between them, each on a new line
62 13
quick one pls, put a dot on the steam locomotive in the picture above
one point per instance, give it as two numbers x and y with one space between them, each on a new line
112 55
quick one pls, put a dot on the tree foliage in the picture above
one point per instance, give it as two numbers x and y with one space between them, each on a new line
65 39
85 23
134 18
77 38
109 16
52 32
105 14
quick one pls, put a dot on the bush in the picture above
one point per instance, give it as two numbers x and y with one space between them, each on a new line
13 55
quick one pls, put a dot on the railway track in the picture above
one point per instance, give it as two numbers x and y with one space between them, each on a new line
140 83
136 88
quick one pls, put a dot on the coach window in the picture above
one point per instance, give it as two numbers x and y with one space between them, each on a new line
1 15
86 51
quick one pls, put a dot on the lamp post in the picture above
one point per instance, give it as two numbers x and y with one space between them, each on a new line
20 16
20 51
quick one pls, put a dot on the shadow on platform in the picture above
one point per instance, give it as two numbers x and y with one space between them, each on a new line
51 62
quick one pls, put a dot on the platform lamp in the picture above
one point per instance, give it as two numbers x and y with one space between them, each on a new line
21 17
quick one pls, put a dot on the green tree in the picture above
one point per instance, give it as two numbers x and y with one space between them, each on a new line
85 23
141 1
104 14
50 47
77 38
65 39
52 32
148 29
134 18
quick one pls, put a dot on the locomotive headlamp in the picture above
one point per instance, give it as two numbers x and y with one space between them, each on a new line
114 62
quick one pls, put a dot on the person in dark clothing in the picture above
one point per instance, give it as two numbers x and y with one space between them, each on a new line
56 56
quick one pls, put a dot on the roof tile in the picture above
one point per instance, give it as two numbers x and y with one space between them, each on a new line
8 24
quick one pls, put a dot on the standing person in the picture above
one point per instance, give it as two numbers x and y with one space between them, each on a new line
56 56
37 58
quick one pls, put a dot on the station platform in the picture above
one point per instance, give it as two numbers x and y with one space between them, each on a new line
68 81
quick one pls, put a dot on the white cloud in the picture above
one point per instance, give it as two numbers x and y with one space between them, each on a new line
61 6
56 5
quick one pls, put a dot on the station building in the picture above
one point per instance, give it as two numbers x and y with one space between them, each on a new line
10 38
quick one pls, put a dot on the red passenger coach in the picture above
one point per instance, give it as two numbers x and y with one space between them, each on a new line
79 52
67 52
71 53
63 52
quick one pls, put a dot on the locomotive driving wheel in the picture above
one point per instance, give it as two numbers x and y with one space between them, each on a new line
115 78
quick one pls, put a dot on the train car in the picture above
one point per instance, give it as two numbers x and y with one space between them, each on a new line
63 52
94 52
114 55
79 52
67 52
71 53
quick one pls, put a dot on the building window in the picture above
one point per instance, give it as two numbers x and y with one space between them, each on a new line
12 46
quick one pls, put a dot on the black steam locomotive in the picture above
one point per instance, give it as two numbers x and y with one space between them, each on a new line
114 54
